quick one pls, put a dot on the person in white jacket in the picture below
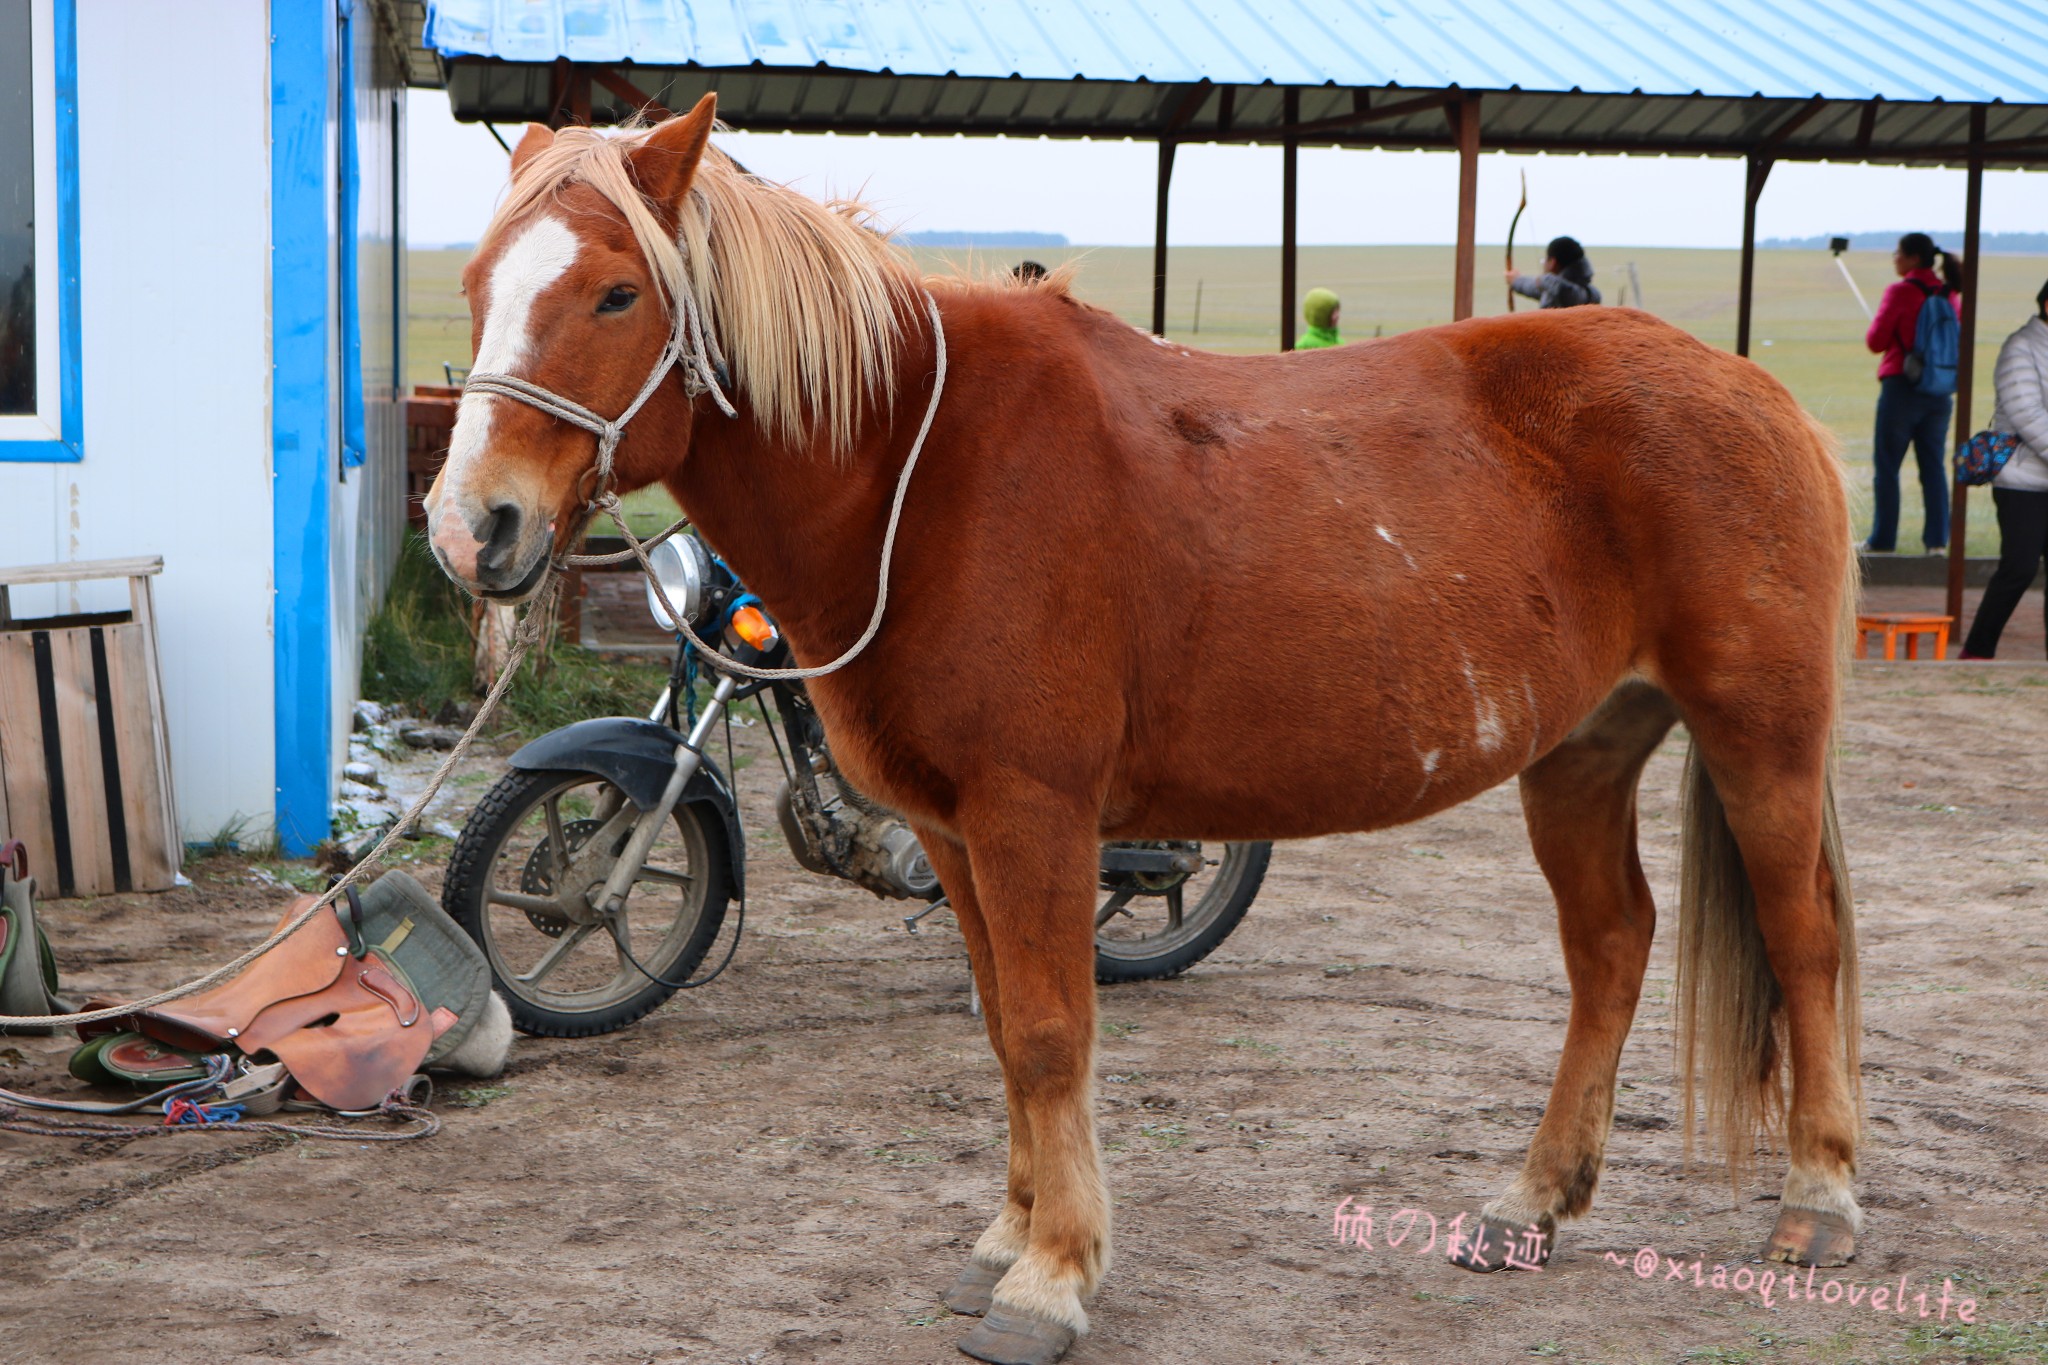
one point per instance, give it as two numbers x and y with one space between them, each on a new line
2021 489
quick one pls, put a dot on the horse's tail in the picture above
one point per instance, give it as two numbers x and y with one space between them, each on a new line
1731 1024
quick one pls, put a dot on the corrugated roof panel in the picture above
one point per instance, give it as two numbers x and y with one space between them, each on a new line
1966 50
659 32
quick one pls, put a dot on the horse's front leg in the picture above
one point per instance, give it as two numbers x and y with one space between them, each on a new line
1003 1243
1033 870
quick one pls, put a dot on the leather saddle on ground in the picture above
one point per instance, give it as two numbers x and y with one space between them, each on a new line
368 992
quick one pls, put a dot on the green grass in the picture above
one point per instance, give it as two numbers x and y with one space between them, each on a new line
418 651
1807 329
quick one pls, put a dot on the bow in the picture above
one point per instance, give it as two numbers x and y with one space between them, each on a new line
1514 223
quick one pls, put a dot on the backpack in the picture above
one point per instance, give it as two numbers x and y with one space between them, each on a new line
1937 344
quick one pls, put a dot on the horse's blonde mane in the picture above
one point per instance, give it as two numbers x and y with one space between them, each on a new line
807 301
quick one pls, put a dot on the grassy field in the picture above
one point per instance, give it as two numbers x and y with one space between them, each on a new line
1808 329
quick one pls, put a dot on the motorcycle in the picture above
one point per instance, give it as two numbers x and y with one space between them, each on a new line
597 873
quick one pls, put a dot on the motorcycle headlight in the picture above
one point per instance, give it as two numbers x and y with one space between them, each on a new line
683 568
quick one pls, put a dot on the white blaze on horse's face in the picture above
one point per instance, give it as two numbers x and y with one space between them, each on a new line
473 510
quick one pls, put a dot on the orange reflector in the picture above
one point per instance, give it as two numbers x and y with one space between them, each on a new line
752 625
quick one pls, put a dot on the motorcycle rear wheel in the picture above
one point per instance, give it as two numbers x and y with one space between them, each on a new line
1151 929
563 972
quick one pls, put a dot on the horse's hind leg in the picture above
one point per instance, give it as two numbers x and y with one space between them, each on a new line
1004 1240
1770 945
1580 803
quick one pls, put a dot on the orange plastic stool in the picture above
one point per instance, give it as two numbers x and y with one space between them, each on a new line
1911 624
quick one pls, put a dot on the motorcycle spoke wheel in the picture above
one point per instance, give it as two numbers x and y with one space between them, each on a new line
529 868
1154 926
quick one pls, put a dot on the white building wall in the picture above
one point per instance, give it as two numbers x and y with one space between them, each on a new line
368 521
174 191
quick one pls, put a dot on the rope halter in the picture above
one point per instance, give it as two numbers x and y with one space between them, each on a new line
691 346
696 350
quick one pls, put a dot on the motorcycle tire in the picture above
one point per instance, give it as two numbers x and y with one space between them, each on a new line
500 889
1219 906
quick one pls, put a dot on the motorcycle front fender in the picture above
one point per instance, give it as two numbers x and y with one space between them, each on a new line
637 756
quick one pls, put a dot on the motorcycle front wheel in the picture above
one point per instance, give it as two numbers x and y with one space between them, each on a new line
522 879
1153 926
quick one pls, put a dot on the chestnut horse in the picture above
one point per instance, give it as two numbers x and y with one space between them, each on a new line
1505 547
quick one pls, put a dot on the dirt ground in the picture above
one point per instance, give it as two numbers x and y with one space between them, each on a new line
791 1164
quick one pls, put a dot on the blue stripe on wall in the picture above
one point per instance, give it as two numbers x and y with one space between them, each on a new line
70 442
302 435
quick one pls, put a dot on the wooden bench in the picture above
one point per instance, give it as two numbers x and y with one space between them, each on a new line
85 765
1911 624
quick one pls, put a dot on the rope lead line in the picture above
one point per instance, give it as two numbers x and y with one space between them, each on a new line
609 501
697 351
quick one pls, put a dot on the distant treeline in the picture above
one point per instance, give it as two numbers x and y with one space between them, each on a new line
2002 243
984 240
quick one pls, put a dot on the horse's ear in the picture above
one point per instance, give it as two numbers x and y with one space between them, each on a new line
666 162
538 139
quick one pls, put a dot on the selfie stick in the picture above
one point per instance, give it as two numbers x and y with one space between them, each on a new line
1838 245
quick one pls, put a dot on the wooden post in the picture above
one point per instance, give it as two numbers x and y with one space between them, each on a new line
1966 363
1752 190
558 93
1159 239
1290 152
1465 117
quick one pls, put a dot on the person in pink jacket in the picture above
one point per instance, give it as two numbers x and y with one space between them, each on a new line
1906 416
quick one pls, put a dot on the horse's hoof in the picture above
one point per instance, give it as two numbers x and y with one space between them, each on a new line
1500 1245
1005 1337
1809 1237
972 1292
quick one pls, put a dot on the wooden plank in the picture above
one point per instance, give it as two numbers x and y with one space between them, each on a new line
78 730
21 758
154 849
142 602
82 570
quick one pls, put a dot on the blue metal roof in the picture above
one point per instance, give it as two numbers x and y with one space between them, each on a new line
1973 51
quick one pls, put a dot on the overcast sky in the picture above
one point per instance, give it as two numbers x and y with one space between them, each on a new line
1101 193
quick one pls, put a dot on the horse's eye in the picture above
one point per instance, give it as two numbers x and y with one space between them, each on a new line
618 301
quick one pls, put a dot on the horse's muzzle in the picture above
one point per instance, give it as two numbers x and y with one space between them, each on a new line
526 585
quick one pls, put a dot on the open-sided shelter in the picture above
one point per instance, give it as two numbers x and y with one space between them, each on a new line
201 322
1765 80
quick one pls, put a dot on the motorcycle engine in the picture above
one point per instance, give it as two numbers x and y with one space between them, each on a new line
848 836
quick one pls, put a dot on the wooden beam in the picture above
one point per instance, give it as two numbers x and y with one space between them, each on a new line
1866 125
1192 98
1465 118
1293 128
1966 364
558 91
631 94
1752 190
1290 156
1798 120
1159 238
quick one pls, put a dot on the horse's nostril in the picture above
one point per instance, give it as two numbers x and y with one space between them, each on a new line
499 536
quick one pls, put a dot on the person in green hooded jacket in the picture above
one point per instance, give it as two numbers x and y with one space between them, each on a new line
1319 310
